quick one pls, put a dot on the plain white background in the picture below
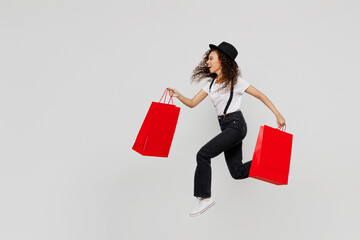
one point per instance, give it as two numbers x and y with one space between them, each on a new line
76 81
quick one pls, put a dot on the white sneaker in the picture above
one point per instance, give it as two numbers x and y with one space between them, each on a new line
203 205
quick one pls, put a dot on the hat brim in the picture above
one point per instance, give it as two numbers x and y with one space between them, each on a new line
212 46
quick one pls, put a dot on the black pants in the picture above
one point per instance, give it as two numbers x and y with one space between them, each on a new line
233 131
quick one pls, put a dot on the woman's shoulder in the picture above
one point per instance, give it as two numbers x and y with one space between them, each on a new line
241 80
241 85
206 85
207 81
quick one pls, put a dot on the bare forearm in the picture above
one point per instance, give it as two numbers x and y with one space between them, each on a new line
269 104
259 95
188 102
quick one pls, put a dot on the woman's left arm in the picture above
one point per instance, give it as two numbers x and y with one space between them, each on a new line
259 95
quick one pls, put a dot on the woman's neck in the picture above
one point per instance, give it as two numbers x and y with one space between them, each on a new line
219 78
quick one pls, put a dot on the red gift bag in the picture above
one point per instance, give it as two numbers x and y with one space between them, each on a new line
271 159
157 131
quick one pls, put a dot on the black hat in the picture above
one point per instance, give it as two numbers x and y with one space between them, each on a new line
226 48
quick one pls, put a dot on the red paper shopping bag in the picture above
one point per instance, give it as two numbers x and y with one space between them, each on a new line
157 131
271 159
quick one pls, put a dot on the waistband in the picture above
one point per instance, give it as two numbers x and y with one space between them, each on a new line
221 117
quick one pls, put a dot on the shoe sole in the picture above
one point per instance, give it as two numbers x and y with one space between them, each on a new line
202 211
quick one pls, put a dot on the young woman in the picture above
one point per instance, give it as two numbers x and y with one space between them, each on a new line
225 87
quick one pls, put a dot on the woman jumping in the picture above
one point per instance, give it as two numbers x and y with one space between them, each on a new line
226 87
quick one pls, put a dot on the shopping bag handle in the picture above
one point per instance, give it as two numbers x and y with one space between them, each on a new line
281 129
165 92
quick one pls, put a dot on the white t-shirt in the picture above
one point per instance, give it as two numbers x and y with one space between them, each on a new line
220 98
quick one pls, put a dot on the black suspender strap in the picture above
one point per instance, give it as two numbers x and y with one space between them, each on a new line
231 96
228 103
211 84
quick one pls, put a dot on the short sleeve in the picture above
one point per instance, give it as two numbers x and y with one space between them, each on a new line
241 85
206 87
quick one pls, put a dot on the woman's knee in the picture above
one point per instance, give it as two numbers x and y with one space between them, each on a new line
202 156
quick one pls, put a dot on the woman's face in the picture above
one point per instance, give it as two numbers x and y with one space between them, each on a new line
214 63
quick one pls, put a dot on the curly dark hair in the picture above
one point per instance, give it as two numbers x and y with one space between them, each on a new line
230 70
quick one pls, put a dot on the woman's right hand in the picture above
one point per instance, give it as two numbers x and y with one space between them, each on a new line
280 121
173 92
